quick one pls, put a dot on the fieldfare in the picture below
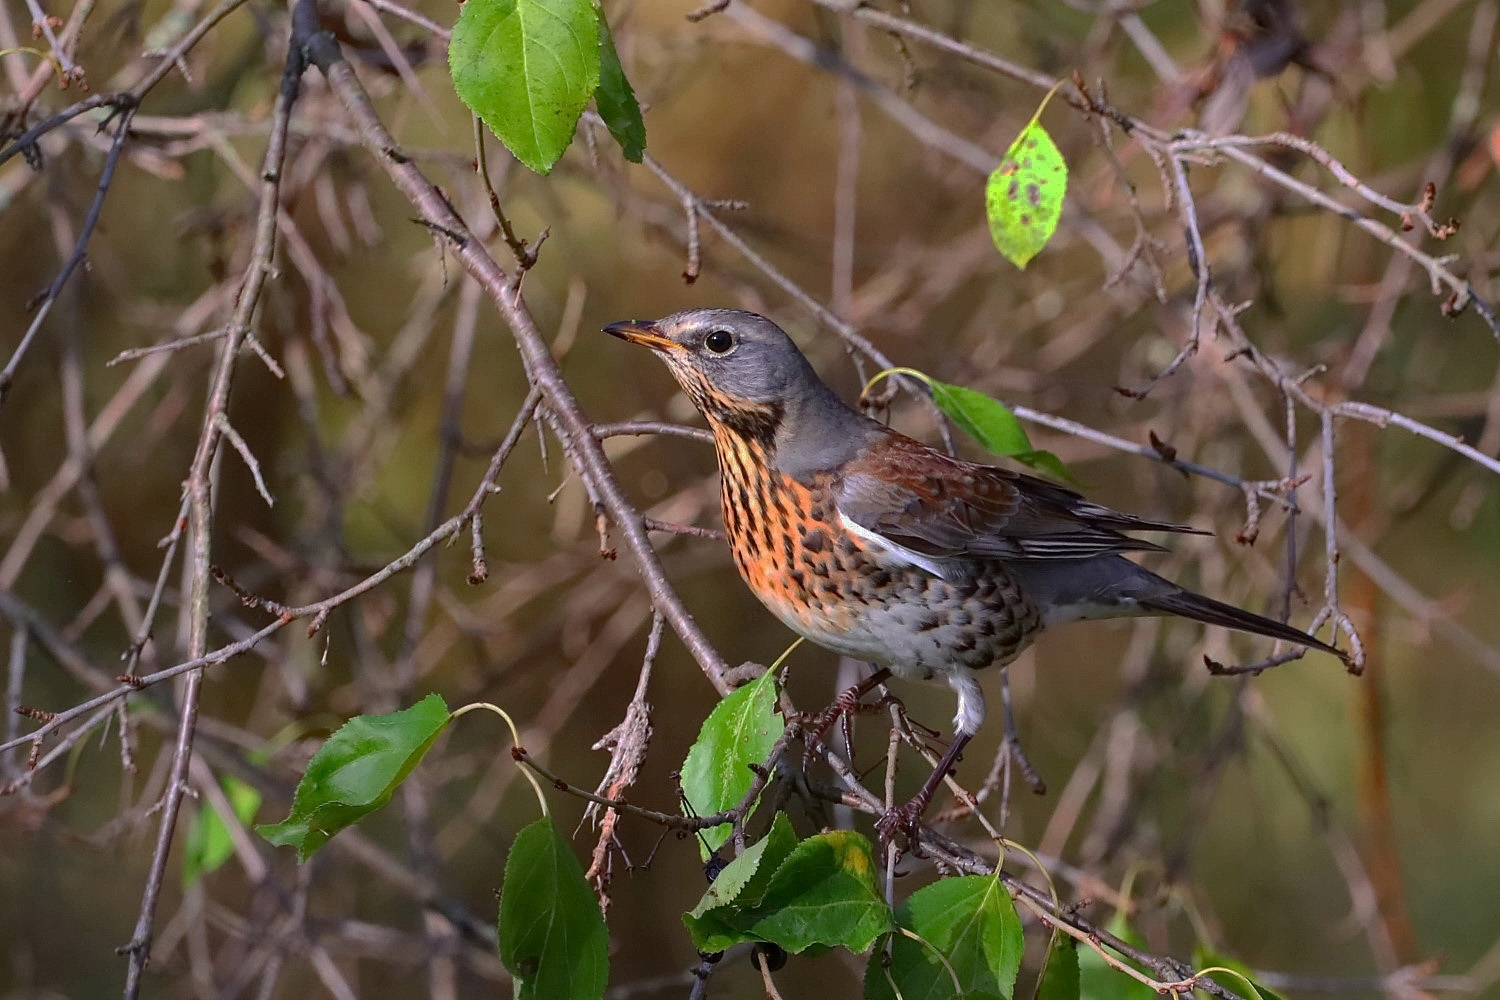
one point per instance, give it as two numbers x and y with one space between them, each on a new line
879 547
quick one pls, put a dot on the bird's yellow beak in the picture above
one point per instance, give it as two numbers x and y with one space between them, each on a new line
643 332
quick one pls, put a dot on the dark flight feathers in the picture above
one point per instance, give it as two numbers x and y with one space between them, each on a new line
945 508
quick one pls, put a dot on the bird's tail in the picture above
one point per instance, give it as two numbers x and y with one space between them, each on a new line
1186 604
1112 586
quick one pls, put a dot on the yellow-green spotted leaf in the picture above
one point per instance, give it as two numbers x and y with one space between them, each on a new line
1024 196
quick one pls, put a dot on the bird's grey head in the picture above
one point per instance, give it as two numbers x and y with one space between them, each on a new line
736 366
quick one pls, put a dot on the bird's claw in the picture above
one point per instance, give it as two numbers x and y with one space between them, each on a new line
903 821
843 709
818 724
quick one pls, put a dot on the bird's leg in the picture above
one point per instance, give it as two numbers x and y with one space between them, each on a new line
1011 756
844 706
905 819
966 723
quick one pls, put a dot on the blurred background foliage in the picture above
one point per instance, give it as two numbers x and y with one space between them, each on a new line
1326 829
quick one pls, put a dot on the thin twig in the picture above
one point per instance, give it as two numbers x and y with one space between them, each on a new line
200 514
540 365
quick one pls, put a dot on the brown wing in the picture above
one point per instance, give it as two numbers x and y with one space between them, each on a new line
918 499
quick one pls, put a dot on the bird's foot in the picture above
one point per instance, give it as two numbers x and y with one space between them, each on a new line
843 709
904 822
817 724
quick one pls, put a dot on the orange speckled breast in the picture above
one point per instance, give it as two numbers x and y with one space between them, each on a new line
786 541
829 585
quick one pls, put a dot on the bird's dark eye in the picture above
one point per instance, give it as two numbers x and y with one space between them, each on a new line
719 342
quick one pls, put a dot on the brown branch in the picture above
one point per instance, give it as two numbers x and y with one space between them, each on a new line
131 97
49 296
592 465
635 427
200 513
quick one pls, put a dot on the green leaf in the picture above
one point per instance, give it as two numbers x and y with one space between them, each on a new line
744 880
527 68
208 844
552 935
985 418
972 922
355 772
1060 977
615 99
992 424
1023 197
740 886
822 895
740 731
1047 463
1097 981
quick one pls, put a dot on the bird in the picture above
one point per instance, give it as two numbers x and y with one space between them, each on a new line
879 547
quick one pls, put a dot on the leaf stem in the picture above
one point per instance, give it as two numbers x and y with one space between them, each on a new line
515 736
875 379
1043 106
